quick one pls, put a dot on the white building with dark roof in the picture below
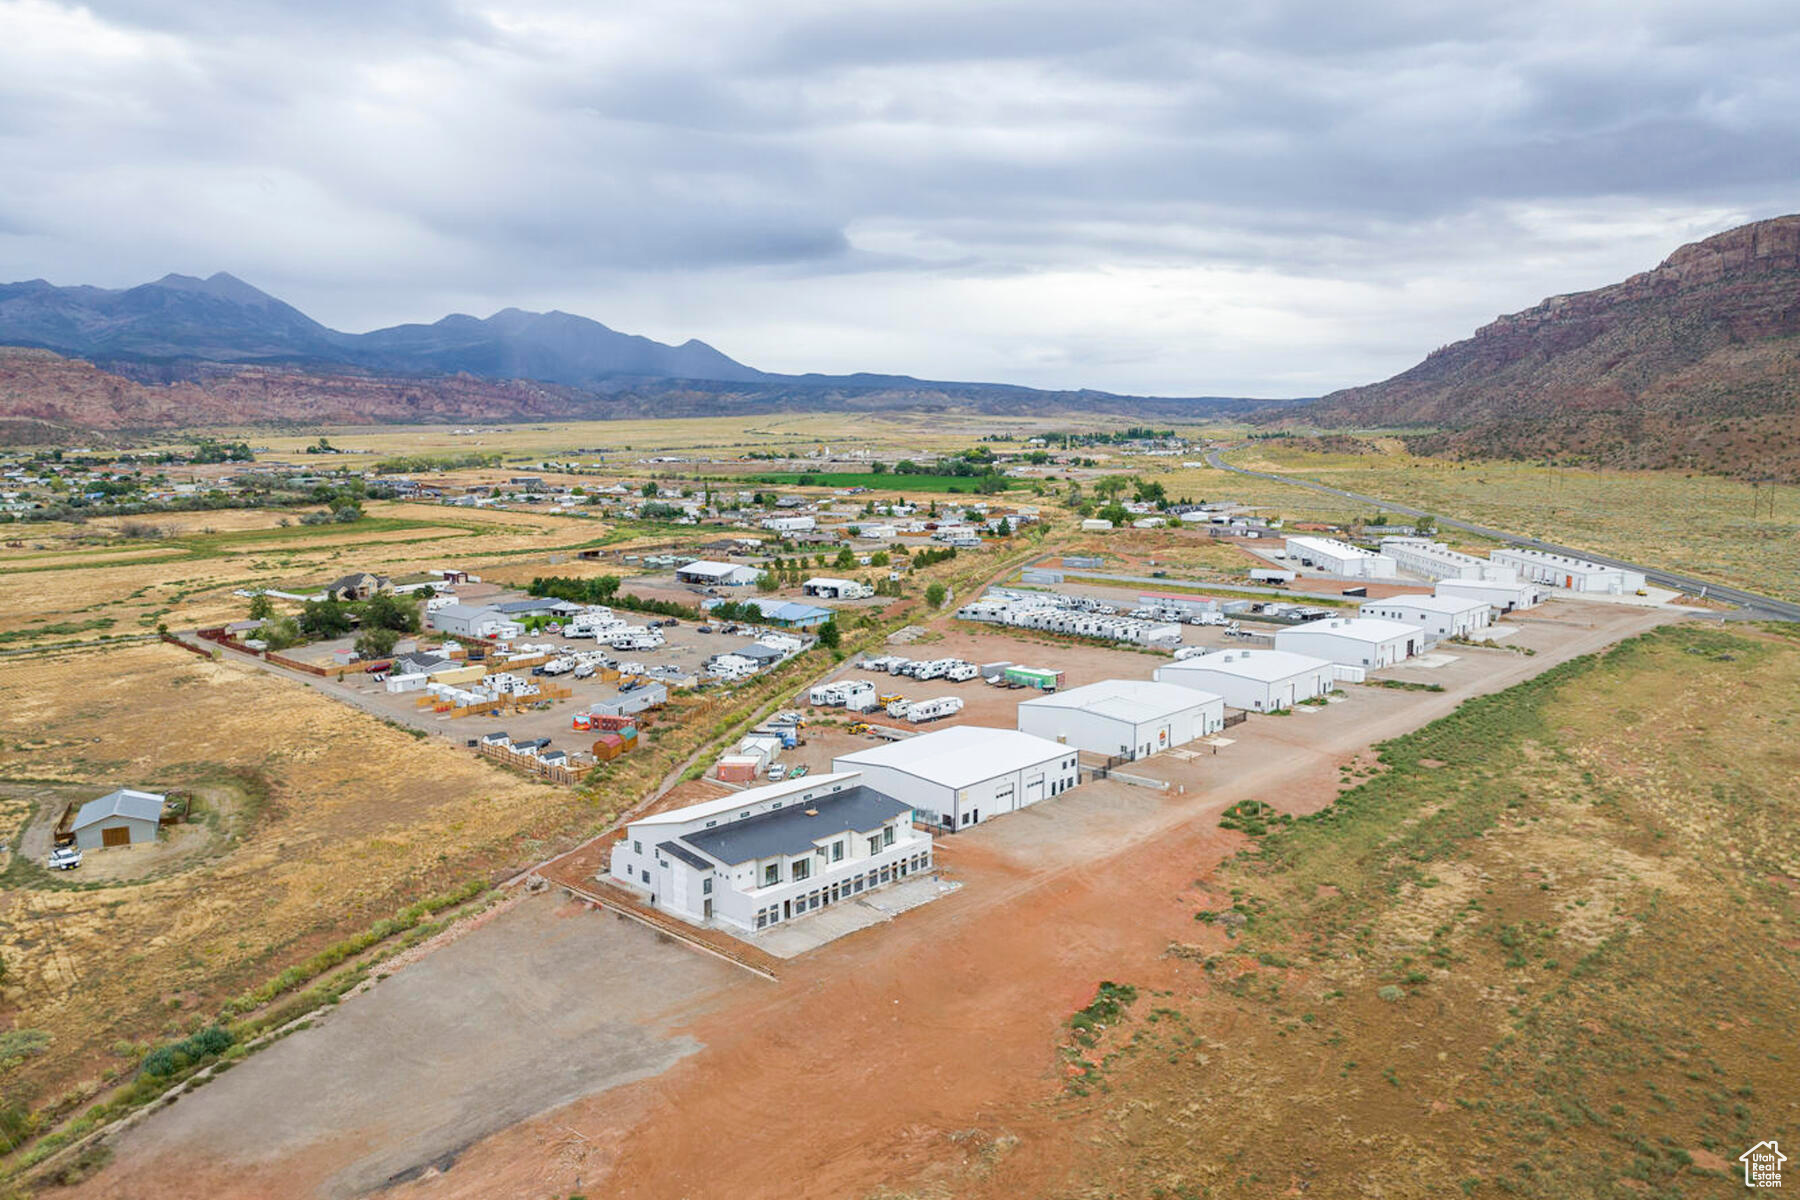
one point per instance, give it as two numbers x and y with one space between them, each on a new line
963 775
1128 718
1254 680
756 858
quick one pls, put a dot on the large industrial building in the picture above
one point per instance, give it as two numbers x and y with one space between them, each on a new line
963 775
1356 641
1434 560
716 574
1502 597
1440 616
1254 680
1339 558
1572 574
1129 718
770 854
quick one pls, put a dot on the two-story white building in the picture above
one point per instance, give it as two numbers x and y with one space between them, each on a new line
771 854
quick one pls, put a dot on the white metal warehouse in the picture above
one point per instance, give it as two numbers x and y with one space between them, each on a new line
1562 571
1434 560
960 776
716 574
1130 718
1254 680
770 854
1440 616
1357 641
1340 558
1505 597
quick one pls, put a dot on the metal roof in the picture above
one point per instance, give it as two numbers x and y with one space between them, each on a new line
1357 629
142 806
721 805
677 850
1133 700
787 610
960 755
1265 666
795 829
1449 605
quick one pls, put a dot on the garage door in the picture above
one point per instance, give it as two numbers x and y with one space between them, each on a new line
115 837
1034 790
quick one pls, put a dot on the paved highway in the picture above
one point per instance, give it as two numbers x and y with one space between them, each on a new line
1753 605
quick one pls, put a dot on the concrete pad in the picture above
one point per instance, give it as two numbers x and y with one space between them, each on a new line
791 938
1428 662
546 1003
1498 633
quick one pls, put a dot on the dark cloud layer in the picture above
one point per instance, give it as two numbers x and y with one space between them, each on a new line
1275 198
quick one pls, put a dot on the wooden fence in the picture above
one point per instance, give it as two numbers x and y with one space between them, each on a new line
525 764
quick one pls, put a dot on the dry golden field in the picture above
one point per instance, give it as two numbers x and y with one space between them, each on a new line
340 820
1713 528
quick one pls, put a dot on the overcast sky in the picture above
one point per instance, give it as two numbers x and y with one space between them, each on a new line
1277 199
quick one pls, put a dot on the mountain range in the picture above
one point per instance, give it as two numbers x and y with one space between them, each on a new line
191 352
1692 365
222 319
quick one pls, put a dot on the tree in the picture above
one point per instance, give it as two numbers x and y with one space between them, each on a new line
376 643
261 607
767 582
879 559
934 594
384 610
280 633
844 560
324 619
829 635
1115 512
648 491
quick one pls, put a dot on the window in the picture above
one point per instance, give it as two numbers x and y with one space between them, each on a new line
802 869
706 886
637 847
771 874
887 836
710 824
762 918
645 875
837 852
875 844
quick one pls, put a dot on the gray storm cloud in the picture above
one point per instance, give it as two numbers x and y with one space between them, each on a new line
1275 200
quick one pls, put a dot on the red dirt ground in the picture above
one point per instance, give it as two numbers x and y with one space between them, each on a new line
909 1048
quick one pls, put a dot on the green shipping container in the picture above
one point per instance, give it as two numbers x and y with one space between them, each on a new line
1032 677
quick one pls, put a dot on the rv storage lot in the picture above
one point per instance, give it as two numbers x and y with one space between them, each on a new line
970 993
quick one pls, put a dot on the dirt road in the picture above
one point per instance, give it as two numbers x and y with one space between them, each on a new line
928 1042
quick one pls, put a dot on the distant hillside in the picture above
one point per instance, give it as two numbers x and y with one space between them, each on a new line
1693 365
46 398
188 352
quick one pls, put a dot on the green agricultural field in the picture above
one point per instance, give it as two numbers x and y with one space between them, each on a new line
884 482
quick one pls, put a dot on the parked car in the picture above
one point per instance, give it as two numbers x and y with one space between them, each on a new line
777 773
704 629
64 858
